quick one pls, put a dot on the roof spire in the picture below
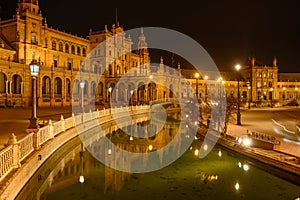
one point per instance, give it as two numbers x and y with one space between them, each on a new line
116 15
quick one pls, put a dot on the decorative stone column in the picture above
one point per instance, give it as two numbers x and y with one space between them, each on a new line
16 150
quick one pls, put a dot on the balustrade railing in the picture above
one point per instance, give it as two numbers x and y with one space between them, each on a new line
26 146
12 156
43 135
6 159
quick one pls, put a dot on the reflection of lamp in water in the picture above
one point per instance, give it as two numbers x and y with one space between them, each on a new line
196 152
220 153
246 167
131 130
81 177
205 147
237 186
109 145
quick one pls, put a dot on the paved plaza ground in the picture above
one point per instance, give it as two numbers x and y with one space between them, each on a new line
262 120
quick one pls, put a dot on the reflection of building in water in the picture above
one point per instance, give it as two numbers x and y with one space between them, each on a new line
66 170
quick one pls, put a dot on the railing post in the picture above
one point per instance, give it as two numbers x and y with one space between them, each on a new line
63 125
82 117
73 117
50 129
36 144
16 150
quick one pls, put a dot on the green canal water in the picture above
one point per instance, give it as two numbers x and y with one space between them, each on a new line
220 175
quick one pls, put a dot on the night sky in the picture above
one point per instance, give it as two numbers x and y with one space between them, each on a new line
230 31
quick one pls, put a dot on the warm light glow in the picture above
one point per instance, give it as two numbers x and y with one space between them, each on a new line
82 83
238 67
109 89
151 76
219 79
150 147
196 138
237 186
246 167
240 164
205 147
131 138
240 140
197 75
220 153
34 68
205 77
249 87
247 142
284 88
109 151
131 92
196 152
191 148
81 179
271 89
296 89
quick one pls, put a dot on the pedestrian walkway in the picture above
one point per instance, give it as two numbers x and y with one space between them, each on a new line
285 149
16 120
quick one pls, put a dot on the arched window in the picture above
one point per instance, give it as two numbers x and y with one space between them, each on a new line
110 70
16 84
67 48
93 89
85 89
83 52
78 51
100 89
58 87
60 46
46 87
244 95
73 49
2 83
121 92
76 89
270 84
68 88
53 45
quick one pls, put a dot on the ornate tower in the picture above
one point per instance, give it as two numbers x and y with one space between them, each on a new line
30 31
28 6
143 51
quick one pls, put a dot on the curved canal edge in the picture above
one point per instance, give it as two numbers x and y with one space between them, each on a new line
18 176
284 169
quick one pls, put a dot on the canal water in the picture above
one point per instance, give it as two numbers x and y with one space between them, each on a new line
74 172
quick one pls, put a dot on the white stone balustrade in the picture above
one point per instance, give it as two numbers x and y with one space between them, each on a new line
26 146
16 151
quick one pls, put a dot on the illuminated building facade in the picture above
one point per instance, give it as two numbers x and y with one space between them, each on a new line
62 56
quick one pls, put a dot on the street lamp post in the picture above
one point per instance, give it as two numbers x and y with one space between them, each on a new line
197 76
249 99
34 71
151 95
109 99
205 78
238 117
82 83
220 82
271 97
131 93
